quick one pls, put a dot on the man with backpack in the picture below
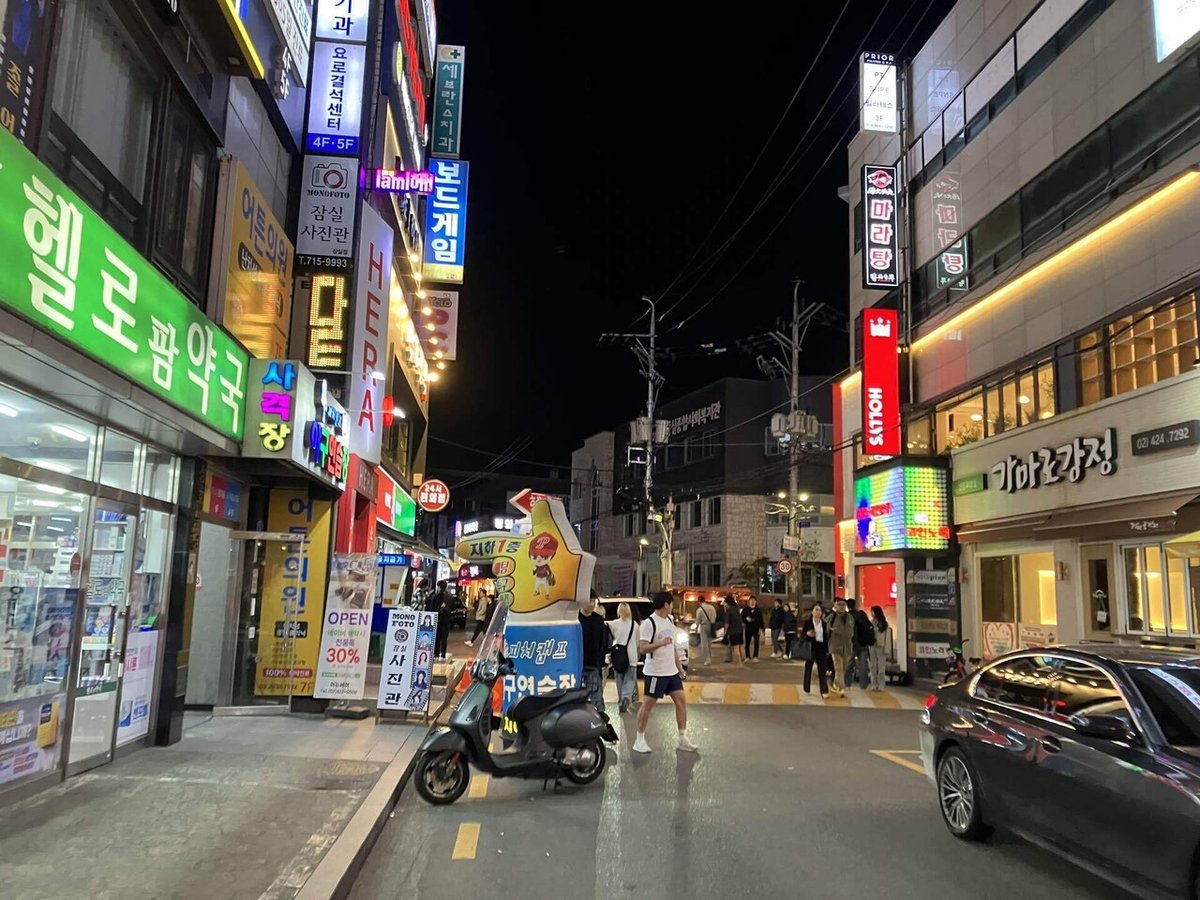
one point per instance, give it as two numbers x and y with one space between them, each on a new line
663 673
864 640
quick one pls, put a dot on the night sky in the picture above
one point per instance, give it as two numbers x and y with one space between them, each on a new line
603 148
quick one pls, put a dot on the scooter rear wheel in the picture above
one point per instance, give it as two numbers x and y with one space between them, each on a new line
592 772
442 777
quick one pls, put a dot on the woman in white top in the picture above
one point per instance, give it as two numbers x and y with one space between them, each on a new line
624 634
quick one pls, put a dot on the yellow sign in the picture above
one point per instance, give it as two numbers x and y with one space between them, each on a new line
258 291
293 595
547 566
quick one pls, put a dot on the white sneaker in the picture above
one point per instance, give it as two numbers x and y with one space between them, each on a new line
468 643
640 745
685 743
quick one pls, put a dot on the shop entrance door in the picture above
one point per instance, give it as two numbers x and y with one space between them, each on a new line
1098 599
269 627
102 648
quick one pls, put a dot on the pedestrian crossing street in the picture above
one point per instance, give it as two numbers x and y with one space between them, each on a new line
721 693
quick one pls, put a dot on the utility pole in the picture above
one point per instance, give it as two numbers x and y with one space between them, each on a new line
793 444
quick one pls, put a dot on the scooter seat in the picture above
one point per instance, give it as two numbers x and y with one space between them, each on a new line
533 706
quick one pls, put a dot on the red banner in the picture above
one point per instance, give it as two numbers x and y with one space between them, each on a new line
881 383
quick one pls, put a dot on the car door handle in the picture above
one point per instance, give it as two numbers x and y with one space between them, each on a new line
1051 745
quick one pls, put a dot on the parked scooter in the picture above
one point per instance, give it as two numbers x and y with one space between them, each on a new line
558 734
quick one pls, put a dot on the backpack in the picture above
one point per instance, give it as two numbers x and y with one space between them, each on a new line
864 630
619 653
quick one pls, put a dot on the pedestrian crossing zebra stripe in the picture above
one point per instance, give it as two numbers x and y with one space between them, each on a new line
705 693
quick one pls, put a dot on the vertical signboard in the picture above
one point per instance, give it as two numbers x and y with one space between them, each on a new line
443 316
952 262
335 98
447 99
342 20
881 383
327 336
881 267
23 57
328 190
407 671
878 94
372 284
292 596
446 221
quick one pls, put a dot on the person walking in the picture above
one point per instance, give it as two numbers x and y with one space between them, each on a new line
441 603
664 675
841 643
595 649
864 640
734 631
481 617
815 630
706 624
776 624
878 650
624 654
752 619
789 629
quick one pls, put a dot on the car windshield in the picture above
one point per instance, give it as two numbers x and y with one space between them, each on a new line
1173 695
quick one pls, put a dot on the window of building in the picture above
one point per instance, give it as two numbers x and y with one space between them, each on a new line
697 573
694 508
1017 399
627 526
918 435
714 510
714 574
187 175
960 421
1162 589
1019 590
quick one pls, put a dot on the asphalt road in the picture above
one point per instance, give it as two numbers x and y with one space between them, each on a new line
781 801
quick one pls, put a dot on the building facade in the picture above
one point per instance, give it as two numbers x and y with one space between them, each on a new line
1046 189
721 471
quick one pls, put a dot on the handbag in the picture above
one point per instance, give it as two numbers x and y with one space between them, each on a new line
802 650
619 654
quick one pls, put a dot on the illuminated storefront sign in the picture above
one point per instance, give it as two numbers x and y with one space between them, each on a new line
447 98
328 307
394 507
878 94
343 20
372 288
429 28
234 12
881 382
881 268
401 181
335 98
24 49
952 261
440 341
902 507
446 222
1051 465
1175 22
292 418
293 24
328 192
412 62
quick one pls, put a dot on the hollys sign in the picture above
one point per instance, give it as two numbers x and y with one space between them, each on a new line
881 383
433 495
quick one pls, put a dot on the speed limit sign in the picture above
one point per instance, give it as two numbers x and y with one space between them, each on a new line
785 566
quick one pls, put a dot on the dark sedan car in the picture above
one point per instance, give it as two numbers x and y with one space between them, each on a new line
1091 751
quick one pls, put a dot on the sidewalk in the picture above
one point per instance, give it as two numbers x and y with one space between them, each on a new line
243 807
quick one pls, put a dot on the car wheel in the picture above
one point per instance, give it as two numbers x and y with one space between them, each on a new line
958 796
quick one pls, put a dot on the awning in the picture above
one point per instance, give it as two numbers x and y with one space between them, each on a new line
999 530
1145 517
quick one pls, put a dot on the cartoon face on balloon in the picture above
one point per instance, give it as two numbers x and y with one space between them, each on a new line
545 568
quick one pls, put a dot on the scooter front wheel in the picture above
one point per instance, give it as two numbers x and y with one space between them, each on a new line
442 777
590 771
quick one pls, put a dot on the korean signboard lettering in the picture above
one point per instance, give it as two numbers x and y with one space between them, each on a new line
407 671
952 261
69 273
447 99
878 94
23 57
327 299
327 197
342 20
335 98
373 272
902 507
701 416
881 268
881 382
1052 465
446 222
547 657
346 629
293 24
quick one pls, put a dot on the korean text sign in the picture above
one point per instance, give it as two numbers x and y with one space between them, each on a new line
346 630
328 192
446 222
447 99
881 268
878 92
70 274
335 98
407 670
952 261
546 656
881 382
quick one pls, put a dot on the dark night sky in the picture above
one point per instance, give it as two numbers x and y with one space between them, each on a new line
603 147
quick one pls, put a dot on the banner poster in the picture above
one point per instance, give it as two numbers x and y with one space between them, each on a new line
30 736
346 628
407 672
137 685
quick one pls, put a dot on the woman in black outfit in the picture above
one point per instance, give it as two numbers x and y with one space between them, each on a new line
815 630
789 630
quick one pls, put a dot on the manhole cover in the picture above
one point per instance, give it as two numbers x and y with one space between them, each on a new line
341 768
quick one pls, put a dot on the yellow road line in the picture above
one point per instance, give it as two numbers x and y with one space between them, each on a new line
737 694
897 757
691 691
785 695
883 700
467 841
479 787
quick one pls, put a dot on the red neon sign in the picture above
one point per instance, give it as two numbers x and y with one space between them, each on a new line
412 62
881 382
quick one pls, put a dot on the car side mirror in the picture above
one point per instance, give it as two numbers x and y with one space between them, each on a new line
1105 728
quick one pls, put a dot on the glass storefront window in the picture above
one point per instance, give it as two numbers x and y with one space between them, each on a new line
1019 589
1162 585
158 478
120 461
39 434
960 422
919 435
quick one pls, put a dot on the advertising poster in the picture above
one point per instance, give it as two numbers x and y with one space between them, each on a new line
293 595
141 653
346 630
407 672
30 736
999 638
546 656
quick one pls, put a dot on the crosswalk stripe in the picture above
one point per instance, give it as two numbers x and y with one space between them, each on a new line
858 699
713 692
810 699
692 691
785 694
762 694
737 694
884 700
909 701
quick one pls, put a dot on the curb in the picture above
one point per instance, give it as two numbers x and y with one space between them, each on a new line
335 874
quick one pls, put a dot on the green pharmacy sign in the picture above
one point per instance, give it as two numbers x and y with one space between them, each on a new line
69 273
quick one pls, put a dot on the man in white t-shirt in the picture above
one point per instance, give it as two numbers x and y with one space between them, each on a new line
664 676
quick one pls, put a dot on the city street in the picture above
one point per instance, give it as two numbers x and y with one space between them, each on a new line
781 801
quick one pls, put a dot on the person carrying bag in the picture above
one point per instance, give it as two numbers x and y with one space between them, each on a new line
623 655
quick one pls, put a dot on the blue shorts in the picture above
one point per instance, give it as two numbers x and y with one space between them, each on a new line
659 686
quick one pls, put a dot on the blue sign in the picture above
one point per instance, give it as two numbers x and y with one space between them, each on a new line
447 99
335 98
446 222
394 559
546 656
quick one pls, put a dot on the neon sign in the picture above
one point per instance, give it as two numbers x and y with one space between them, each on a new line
326 448
902 507
402 181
